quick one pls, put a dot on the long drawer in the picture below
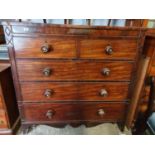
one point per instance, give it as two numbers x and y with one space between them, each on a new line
89 91
44 48
109 49
67 112
29 70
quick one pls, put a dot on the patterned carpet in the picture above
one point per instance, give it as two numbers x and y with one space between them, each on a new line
103 129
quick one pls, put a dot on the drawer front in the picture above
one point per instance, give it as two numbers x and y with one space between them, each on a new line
68 112
89 91
74 70
44 48
3 119
109 49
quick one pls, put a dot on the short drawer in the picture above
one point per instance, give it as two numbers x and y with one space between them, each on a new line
74 70
88 91
44 48
3 119
69 112
109 49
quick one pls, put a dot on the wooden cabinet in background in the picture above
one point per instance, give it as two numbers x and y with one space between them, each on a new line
2 40
9 115
144 100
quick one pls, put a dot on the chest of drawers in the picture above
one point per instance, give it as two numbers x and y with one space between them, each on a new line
73 74
9 115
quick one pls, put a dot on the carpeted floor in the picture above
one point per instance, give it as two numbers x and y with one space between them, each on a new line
103 129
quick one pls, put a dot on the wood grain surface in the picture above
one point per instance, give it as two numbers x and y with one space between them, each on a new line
31 48
63 112
34 91
74 70
122 48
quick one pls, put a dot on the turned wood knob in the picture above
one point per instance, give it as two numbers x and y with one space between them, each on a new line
49 114
48 93
109 50
45 48
103 92
101 112
47 71
106 71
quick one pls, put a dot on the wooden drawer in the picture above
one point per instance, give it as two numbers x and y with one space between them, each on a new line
74 70
3 119
121 49
31 48
89 91
70 112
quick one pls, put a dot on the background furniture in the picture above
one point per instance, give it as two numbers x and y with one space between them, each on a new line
143 110
2 40
89 22
9 115
4 57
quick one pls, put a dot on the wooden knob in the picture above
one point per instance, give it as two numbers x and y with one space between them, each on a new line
48 93
49 114
106 71
109 50
47 71
103 92
101 112
45 48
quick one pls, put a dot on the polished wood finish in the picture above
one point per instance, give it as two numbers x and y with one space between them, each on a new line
74 91
31 48
72 31
122 49
74 70
74 112
143 65
9 115
65 69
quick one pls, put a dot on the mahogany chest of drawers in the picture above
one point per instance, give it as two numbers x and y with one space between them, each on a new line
9 115
73 74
